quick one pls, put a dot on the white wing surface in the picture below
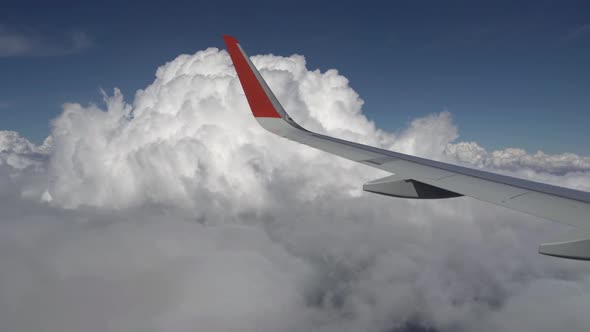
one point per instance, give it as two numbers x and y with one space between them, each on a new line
422 178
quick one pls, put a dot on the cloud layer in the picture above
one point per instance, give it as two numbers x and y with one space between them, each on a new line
177 212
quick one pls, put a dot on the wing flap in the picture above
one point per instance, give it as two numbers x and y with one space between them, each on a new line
397 186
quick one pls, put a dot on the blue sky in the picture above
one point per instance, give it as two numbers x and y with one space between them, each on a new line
513 74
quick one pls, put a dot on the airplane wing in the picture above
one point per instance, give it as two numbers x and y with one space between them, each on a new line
421 178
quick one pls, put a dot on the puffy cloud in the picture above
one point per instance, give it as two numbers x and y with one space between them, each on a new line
22 165
515 159
178 212
566 169
428 136
18 153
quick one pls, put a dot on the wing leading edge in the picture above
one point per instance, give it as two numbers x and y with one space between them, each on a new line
417 177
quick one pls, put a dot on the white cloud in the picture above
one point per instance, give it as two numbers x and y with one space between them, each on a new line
15 42
178 212
516 159
18 153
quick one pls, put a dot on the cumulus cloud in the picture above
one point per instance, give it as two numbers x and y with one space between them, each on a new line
176 211
15 42
515 159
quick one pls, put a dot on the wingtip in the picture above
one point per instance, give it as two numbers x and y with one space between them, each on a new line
258 99
230 39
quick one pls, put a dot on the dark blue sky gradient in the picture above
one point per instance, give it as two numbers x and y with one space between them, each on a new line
513 74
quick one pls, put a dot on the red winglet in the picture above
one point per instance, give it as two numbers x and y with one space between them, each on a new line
260 104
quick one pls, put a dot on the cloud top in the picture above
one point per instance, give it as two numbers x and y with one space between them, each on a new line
176 211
